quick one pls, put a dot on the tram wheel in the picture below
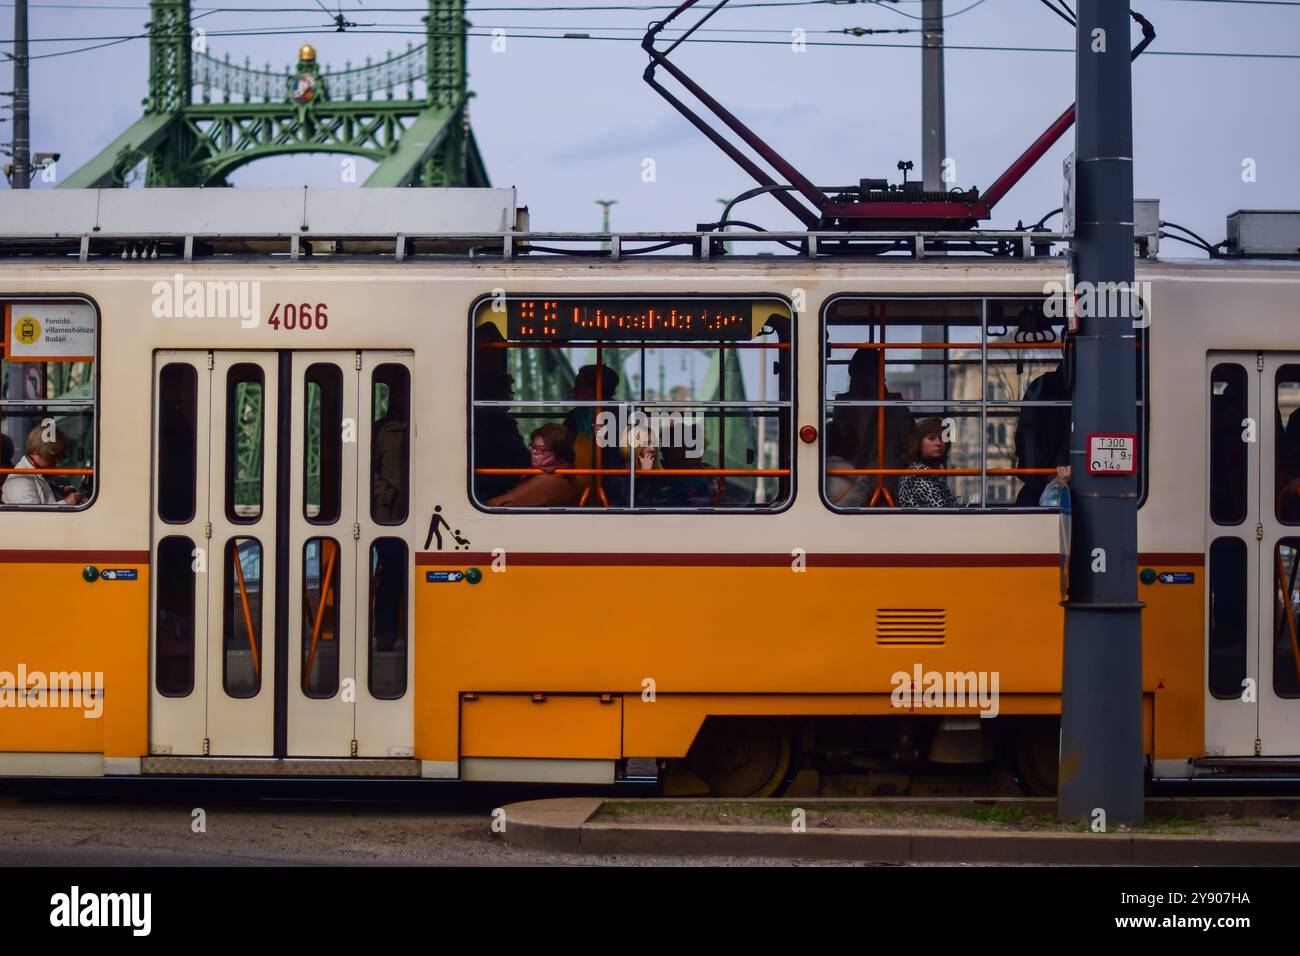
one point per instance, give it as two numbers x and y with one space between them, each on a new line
1038 745
742 756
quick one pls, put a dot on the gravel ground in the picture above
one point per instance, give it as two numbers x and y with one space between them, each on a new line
59 833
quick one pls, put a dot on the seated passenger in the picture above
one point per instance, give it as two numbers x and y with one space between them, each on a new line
497 442
552 448
6 451
587 451
862 424
676 491
843 491
1043 435
35 489
926 450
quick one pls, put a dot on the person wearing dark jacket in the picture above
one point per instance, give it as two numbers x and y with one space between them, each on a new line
1043 435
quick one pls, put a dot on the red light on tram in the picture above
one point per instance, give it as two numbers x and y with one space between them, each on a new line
808 434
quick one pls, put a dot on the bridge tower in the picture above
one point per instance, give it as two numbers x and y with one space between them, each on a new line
205 117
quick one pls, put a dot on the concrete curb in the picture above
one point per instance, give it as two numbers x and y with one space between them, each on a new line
565 825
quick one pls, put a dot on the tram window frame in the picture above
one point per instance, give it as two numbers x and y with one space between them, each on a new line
787 377
984 405
326 380
1228 482
231 616
92 403
171 481
1286 450
166 598
231 471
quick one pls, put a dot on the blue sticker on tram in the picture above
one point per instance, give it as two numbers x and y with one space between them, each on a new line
119 574
443 577
1177 577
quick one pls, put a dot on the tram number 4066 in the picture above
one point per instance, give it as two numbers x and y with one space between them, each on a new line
304 316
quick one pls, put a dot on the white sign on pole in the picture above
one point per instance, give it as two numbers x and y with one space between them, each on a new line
1067 197
1112 454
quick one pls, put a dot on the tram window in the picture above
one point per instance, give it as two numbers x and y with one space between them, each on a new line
322 471
1229 453
241 671
320 619
388 618
178 385
174 623
1229 581
1286 618
653 416
47 410
1287 444
985 378
390 445
244 425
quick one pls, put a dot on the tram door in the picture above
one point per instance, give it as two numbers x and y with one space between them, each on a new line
282 554
1252 546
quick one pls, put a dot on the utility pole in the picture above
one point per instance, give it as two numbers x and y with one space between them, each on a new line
22 144
1101 687
933 145
726 248
604 205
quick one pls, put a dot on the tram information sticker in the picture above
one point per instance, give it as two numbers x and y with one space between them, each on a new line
49 331
1112 454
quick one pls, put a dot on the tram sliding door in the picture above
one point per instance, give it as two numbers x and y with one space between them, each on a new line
1252 543
213 665
350 565
338 517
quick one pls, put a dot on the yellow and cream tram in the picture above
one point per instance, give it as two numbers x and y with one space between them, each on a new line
280 527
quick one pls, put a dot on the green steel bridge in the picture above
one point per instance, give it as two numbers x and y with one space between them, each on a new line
205 117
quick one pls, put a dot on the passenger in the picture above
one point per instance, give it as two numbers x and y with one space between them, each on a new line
581 422
861 424
1288 469
843 491
497 442
388 452
552 448
926 450
35 489
676 491
6 451
1043 435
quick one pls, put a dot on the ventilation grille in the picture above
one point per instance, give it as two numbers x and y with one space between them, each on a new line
911 625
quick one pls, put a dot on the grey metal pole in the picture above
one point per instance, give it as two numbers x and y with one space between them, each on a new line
22 144
932 104
1101 692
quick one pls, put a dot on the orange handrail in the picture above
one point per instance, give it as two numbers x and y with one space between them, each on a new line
47 471
650 473
327 584
993 346
243 599
940 471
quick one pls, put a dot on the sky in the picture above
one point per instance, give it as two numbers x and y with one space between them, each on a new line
570 121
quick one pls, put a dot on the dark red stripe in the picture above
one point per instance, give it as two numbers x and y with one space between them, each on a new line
772 560
74 557
738 560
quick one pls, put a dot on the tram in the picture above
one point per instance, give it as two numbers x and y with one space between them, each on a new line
294 487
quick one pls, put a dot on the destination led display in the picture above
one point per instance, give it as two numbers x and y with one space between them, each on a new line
630 320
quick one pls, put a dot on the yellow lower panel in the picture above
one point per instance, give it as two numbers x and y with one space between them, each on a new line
63 723
584 728
753 640
57 623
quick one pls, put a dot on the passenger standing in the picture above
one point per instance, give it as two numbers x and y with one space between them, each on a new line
861 424
1043 435
497 442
